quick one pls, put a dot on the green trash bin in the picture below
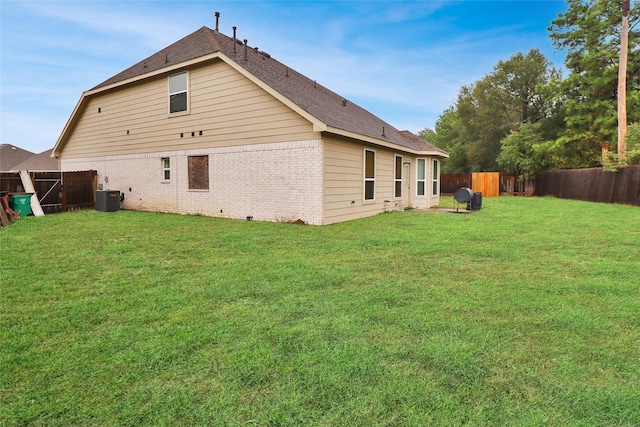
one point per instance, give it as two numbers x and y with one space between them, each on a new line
20 203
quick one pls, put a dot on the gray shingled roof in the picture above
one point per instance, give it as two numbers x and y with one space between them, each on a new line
42 162
323 104
10 156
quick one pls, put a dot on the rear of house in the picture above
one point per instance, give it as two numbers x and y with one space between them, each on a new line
365 179
211 126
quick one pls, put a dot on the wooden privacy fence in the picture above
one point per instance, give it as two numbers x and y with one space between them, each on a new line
57 192
510 184
450 182
593 185
488 183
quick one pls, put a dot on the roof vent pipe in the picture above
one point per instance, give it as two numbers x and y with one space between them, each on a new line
246 50
234 39
217 19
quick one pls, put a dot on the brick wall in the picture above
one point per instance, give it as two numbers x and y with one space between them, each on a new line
270 182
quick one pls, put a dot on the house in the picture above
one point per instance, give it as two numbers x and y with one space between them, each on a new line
42 162
11 156
212 126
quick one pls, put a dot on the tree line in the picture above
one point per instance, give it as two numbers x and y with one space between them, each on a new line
525 116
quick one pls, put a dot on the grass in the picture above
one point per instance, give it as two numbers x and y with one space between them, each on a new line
524 313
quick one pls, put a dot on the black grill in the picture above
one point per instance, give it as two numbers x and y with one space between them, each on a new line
465 195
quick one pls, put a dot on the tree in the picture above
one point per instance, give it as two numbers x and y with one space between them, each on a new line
448 137
488 110
633 144
531 148
622 80
590 34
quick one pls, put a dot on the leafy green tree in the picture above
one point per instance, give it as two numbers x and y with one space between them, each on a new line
447 136
632 155
502 101
521 152
589 31
532 148
633 144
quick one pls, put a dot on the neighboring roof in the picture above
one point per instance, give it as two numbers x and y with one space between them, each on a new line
42 162
10 156
327 110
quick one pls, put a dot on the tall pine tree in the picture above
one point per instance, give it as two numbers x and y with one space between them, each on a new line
589 31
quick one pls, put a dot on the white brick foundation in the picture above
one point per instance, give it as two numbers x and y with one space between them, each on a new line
270 182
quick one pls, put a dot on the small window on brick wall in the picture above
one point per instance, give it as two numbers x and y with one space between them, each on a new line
198 172
166 168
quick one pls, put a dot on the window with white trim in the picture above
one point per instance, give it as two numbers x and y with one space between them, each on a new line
369 175
166 168
421 175
397 180
436 184
178 93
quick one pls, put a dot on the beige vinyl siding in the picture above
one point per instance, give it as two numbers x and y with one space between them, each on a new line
344 180
227 107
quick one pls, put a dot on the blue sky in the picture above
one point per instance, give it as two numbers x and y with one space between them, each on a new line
403 61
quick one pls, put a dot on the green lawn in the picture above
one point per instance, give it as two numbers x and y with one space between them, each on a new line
524 313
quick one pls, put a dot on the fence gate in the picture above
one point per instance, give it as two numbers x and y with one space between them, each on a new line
48 186
78 190
487 183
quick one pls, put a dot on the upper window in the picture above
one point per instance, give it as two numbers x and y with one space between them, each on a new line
166 168
198 171
369 175
436 185
397 192
178 93
422 177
